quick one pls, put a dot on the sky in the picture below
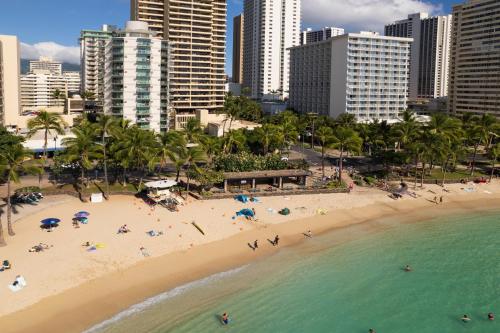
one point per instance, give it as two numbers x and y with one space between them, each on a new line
52 27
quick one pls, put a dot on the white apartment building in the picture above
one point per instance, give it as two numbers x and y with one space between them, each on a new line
10 68
46 64
475 58
363 74
312 36
92 44
196 31
38 88
430 52
270 28
73 82
136 77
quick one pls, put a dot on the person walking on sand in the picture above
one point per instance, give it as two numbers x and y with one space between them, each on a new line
440 200
436 200
255 245
276 240
309 234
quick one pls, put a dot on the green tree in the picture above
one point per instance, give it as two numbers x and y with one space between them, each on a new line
345 139
82 149
105 126
47 122
135 150
234 141
191 157
14 160
324 135
494 154
193 131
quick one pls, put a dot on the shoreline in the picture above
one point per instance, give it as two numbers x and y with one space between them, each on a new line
94 301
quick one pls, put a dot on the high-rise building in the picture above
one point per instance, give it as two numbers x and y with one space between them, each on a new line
363 74
475 58
312 36
238 49
196 31
38 90
46 64
430 53
10 68
271 27
73 82
136 84
92 43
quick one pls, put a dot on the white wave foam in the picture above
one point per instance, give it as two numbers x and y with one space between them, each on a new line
162 297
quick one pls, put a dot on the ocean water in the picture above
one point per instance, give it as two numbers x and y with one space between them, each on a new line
347 281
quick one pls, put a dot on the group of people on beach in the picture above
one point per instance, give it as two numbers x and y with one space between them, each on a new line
438 201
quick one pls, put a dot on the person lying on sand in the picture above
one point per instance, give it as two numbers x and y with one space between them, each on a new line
39 248
124 229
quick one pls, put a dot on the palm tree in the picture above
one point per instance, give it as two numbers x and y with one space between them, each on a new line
494 154
46 122
345 139
13 161
193 155
167 145
105 126
266 136
58 95
234 141
212 146
135 149
193 131
82 149
483 130
325 137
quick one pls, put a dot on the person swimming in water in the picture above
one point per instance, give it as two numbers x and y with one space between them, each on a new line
465 318
225 318
408 268
491 316
371 330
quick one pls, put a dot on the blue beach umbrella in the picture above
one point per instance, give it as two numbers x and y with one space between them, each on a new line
82 214
50 221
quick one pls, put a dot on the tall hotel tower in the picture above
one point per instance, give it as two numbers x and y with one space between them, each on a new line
430 52
196 31
271 27
475 58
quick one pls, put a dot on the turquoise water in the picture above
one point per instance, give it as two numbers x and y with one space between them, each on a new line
348 281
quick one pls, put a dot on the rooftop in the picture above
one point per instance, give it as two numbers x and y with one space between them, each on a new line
266 174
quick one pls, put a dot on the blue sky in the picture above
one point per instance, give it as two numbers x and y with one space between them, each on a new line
52 27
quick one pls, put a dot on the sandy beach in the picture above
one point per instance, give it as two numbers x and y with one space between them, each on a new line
70 288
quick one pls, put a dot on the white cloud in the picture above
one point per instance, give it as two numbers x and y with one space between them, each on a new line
70 54
357 15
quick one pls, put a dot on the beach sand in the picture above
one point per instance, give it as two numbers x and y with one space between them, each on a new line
69 289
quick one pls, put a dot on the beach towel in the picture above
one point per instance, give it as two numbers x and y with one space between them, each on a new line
321 211
21 283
